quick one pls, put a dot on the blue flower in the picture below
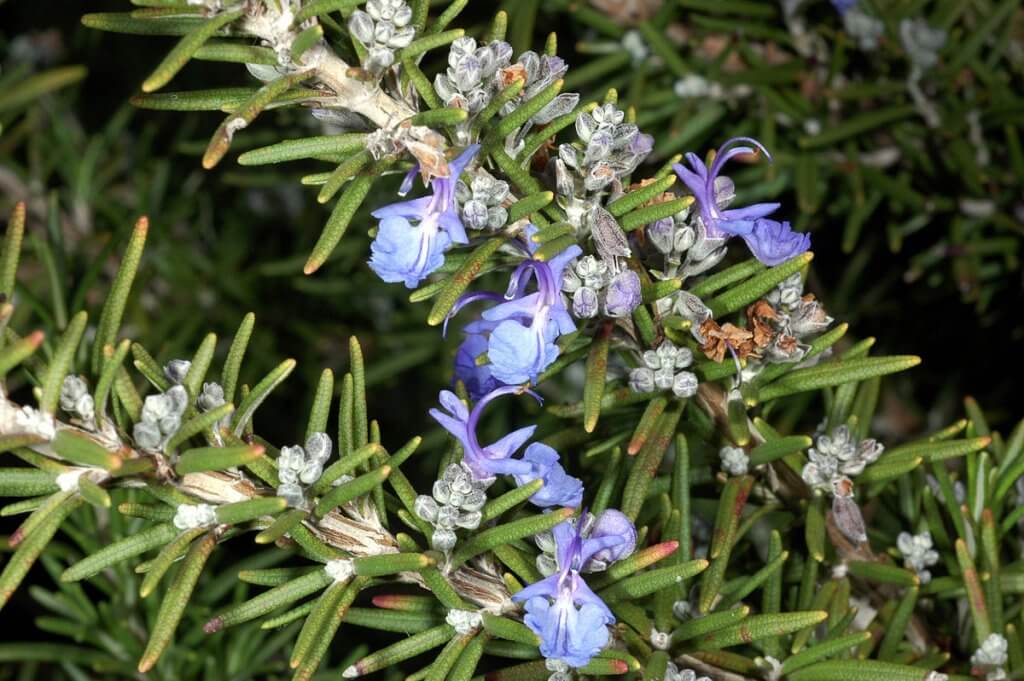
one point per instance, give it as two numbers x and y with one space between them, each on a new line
570 619
766 241
406 253
522 345
476 377
409 252
844 6
541 462
772 242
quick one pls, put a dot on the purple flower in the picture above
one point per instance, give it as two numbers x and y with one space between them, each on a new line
540 462
484 462
722 223
408 252
522 329
476 377
772 242
571 620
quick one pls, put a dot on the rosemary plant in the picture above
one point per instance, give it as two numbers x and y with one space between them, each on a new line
656 505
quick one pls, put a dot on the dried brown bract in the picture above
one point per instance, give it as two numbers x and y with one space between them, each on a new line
718 340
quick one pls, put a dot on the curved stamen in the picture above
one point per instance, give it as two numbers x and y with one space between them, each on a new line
474 415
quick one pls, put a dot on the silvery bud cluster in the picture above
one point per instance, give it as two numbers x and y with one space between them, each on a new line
991 657
464 621
664 370
299 467
76 400
596 287
835 458
608 149
672 236
480 201
734 460
918 554
922 42
194 516
382 29
470 81
538 72
674 673
176 370
455 501
211 397
161 417
802 315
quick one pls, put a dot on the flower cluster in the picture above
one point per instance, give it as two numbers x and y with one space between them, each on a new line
407 252
481 202
471 79
991 658
608 523
194 516
674 673
597 287
298 467
833 461
734 460
537 72
76 400
608 150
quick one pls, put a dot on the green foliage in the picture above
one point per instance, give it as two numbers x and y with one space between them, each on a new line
738 573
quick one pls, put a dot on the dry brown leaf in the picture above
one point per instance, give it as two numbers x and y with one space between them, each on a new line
718 340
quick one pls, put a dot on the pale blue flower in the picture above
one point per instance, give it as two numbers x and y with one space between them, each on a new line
408 252
522 329
570 619
541 462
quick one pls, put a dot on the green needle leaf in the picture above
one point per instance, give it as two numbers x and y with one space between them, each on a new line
12 250
457 284
186 47
126 548
344 210
252 401
175 600
835 373
759 627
